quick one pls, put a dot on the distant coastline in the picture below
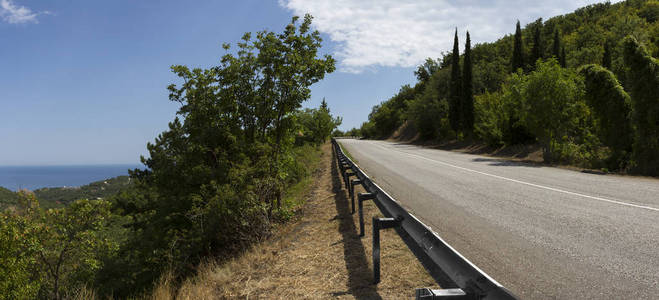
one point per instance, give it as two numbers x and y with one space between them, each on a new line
36 177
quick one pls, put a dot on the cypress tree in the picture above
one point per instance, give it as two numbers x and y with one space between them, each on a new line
455 87
536 51
606 59
562 59
467 89
557 45
518 51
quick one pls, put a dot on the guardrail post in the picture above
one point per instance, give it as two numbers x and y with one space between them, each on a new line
428 294
380 223
344 169
352 192
348 175
361 197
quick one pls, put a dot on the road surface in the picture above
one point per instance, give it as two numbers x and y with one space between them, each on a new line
542 232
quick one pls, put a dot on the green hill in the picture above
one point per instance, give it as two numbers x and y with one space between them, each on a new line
545 100
7 197
52 197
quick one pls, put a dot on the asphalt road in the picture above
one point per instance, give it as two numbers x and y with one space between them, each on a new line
542 232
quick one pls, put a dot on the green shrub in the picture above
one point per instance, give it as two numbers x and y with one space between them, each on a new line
612 112
644 89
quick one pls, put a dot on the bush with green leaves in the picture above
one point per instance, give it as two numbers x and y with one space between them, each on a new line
611 107
552 106
48 254
643 80
427 110
315 125
491 118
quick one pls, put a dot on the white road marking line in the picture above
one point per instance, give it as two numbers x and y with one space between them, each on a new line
526 183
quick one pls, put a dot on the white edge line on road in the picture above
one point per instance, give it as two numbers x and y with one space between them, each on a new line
526 183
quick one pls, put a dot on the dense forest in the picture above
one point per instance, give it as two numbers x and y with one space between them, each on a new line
214 183
584 86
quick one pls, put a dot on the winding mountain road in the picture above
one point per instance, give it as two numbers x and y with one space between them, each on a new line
543 232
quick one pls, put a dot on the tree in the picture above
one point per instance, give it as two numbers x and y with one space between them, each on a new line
612 109
563 58
425 71
536 51
387 116
54 250
316 124
606 57
643 79
467 89
455 108
550 103
428 110
19 275
213 181
556 49
71 241
518 51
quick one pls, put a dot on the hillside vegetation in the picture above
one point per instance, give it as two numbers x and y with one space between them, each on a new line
216 181
583 85
7 197
62 196
102 189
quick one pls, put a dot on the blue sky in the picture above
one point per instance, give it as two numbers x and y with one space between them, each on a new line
84 82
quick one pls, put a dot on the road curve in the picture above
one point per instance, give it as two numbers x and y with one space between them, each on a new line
544 233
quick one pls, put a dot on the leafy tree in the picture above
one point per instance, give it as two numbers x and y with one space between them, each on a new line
390 114
467 104
316 124
550 99
214 180
491 117
353 132
455 95
425 71
612 108
367 129
518 51
563 58
428 111
48 252
644 90
71 241
19 278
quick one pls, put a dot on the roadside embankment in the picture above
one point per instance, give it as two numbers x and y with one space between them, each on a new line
317 255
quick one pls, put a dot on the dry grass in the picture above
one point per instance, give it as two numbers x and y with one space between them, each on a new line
319 255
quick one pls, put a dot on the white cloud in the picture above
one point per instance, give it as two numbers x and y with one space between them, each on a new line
402 33
12 13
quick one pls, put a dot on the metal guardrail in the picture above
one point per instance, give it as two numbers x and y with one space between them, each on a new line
458 277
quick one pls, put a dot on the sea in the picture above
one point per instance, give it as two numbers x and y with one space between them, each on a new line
35 177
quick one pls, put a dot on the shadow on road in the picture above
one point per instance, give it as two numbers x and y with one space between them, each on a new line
359 274
507 163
